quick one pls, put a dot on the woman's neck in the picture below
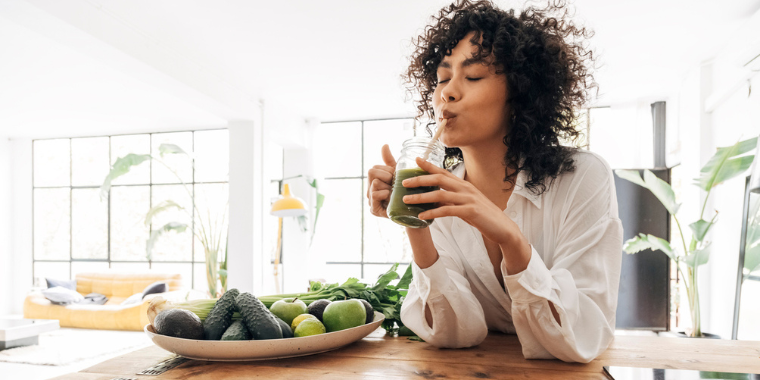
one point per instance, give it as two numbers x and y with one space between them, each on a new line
484 168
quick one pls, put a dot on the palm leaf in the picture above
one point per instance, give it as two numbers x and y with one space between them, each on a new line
159 208
643 242
122 166
658 187
155 234
724 165
699 229
697 258
165 149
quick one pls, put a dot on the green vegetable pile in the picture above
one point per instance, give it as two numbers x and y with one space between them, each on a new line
383 296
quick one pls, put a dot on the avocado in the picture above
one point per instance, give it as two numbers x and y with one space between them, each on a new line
286 331
220 316
237 331
370 311
317 308
179 323
257 318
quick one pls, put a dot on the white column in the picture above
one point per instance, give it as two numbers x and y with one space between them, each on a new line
245 262
21 216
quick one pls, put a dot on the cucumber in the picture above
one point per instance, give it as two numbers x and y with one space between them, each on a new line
257 318
237 331
220 316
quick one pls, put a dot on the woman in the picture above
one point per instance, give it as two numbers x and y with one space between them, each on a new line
526 237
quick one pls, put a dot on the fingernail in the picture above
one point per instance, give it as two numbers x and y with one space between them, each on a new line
406 198
404 182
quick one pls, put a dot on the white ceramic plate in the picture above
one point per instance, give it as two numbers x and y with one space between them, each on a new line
217 350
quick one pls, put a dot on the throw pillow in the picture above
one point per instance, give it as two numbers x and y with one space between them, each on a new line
61 296
156 287
68 284
133 299
94 299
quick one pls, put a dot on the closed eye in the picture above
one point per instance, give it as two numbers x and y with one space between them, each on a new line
474 79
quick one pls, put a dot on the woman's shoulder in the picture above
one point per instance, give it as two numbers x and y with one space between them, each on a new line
589 170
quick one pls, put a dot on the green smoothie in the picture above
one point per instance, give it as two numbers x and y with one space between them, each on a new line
406 214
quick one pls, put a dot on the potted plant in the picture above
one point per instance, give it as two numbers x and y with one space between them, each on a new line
727 163
211 233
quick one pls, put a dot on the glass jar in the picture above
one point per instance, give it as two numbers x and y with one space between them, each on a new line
406 167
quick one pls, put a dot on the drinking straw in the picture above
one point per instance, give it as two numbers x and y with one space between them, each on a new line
432 142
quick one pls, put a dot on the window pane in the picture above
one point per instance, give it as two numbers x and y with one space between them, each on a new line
136 144
129 267
338 235
51 224
384 241
42 270
212 156
173 246
200 282
373 271
341 272
337 150
89 161
89 218
186 270
179 163
379 133
88 267
129 204
211 220
52 162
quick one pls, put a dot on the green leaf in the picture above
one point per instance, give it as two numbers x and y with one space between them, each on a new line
159 208
406 279
222 272
155 234
302 223
722 166
384 279
658 187
643 242
697 258
662 191
119 168
699 229
631 175
165 149
752 257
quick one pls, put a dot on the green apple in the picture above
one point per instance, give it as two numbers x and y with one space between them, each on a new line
341 315
288 308
309 326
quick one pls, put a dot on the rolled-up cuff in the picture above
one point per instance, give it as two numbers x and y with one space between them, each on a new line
435 280
531 285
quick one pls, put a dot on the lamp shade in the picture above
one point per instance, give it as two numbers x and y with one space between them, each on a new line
288 205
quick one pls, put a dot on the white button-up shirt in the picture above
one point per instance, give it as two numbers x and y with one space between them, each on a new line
576 240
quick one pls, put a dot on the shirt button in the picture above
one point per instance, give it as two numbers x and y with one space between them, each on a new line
512 214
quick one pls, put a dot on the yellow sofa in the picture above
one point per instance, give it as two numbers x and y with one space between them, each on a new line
111 316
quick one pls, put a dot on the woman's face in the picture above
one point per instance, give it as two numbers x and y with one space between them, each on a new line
472 97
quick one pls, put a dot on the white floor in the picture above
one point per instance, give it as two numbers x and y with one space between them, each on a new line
13 371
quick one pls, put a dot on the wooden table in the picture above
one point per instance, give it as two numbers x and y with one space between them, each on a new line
498 357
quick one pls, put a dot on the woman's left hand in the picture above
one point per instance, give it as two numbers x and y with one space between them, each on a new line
460 198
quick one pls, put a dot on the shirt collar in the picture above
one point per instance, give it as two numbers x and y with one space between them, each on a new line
520 189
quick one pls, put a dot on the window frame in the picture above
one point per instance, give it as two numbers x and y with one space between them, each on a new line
150 184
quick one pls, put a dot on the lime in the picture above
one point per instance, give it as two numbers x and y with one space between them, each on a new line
300 319
309 326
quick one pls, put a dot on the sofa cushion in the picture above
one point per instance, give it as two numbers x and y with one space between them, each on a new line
156 287
94 299
133 299
68 284
62 296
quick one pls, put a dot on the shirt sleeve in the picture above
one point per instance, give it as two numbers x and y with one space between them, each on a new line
458 318
582 282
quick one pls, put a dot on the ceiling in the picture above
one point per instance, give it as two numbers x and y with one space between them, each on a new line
328 60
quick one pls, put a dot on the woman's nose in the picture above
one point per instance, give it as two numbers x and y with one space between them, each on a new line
450 92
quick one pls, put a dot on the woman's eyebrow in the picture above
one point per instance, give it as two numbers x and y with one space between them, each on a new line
467 62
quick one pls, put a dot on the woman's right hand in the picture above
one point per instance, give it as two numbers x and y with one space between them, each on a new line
380 179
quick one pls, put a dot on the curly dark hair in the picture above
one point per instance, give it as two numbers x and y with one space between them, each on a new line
548 71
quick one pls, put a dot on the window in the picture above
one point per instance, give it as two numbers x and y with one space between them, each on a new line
353 241
74 230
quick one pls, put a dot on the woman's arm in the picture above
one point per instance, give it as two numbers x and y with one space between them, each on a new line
568 311
440 306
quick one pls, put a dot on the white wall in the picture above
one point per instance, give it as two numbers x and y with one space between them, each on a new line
6 260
